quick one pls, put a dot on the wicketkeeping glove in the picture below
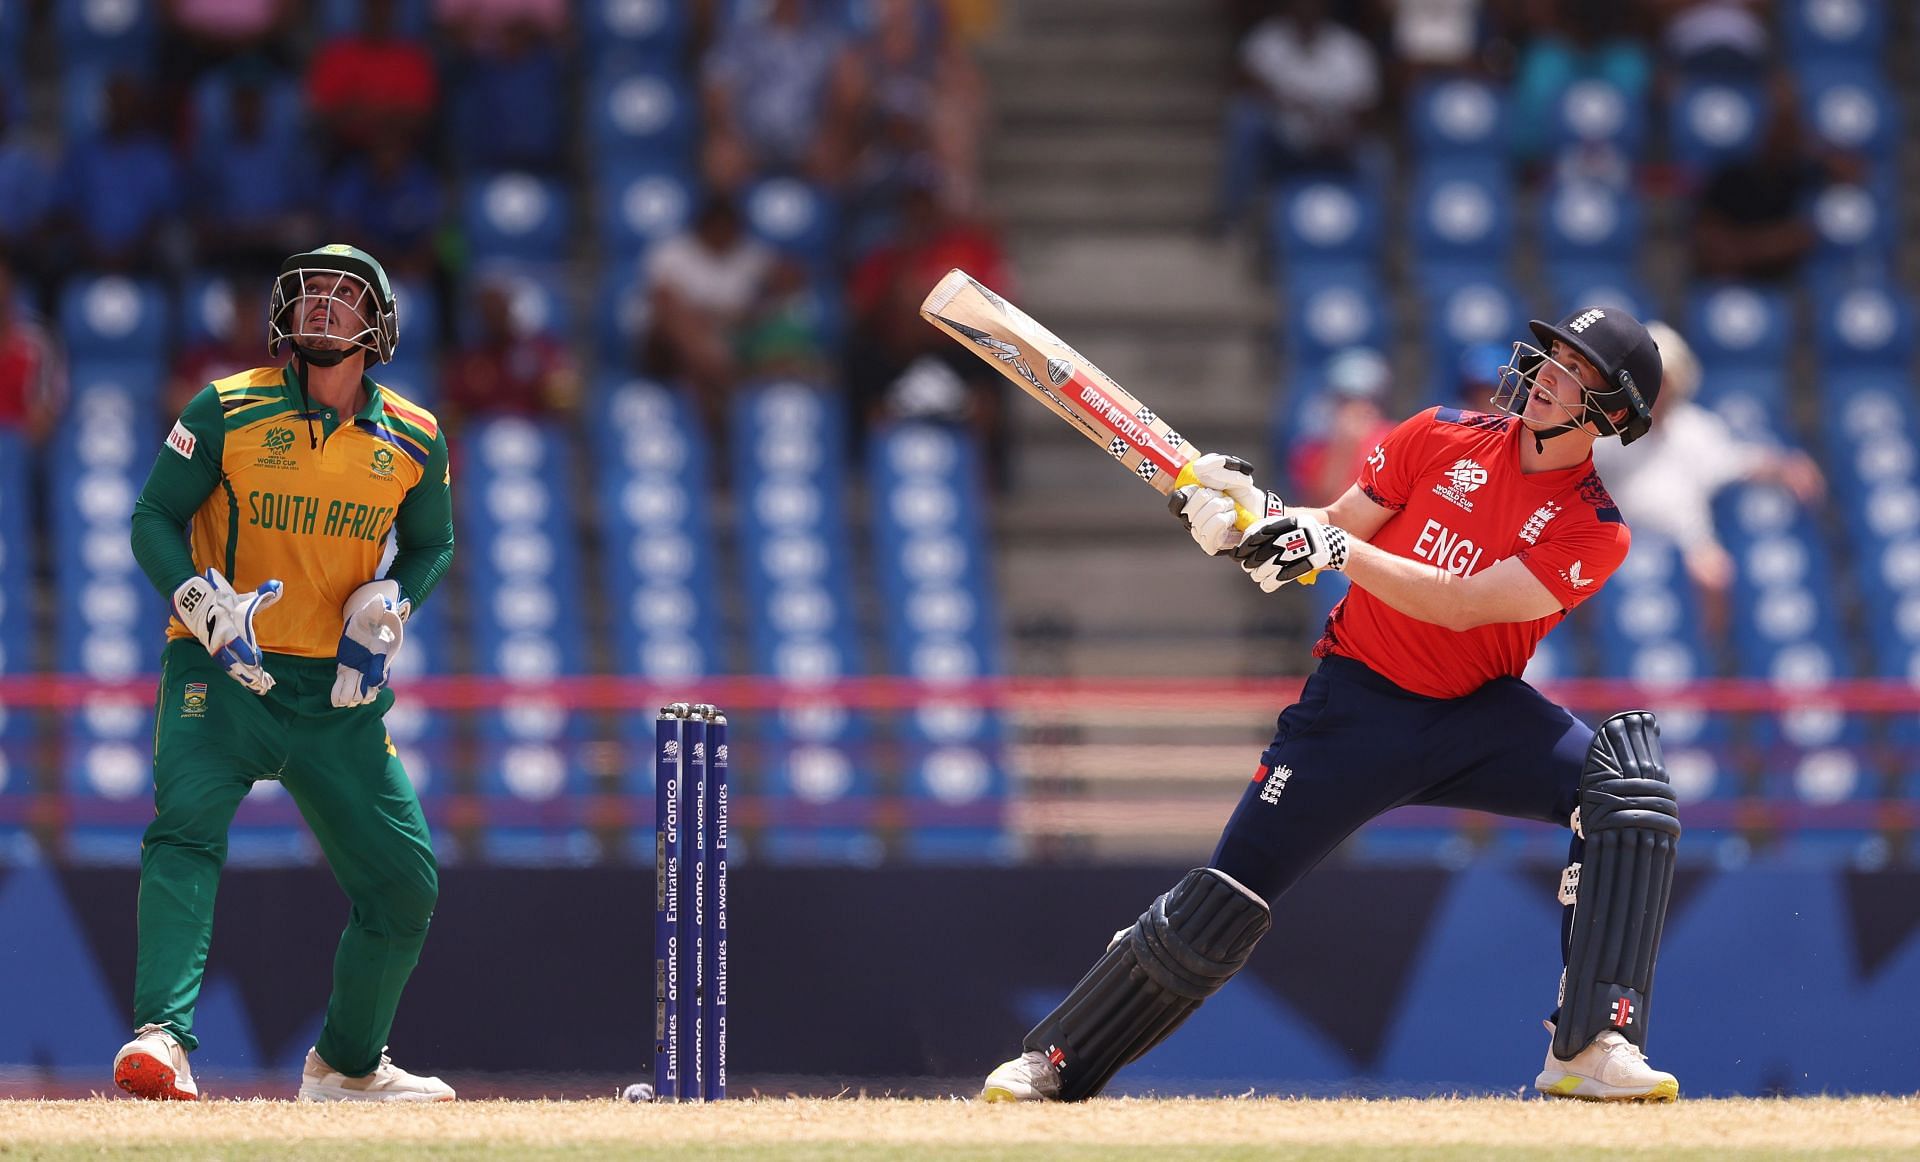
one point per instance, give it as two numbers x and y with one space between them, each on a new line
376 620
1287 548
1209 508
222 619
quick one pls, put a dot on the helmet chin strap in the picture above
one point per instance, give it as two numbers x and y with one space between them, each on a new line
1542 435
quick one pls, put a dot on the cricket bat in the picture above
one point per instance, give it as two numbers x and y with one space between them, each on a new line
1066 383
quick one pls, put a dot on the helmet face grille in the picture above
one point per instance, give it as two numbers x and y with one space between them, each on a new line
1515 387
321 306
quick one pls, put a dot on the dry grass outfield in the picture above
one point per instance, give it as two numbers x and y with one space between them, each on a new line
934 1131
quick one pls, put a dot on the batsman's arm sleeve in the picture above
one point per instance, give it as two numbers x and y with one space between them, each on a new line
184 474
424 528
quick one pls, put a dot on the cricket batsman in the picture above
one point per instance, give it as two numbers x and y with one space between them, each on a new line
1467 537
265 519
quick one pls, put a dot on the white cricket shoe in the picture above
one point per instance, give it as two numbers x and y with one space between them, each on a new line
153 1066
1028 1077
321 1082
1610 1068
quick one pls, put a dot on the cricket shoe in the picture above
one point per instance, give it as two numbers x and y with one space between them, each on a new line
1028 1077
153 1066
1610 1068
321 1082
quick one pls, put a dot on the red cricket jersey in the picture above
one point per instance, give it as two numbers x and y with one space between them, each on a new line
1460 501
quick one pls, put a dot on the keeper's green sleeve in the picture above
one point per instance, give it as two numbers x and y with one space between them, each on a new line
184 474
423 529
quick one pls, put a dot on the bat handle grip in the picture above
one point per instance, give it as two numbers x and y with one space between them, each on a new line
1242 519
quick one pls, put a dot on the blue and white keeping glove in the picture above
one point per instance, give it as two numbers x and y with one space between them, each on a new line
1210 507
223 621
376 620
1283 549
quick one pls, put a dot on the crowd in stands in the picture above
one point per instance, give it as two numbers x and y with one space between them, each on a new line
491 150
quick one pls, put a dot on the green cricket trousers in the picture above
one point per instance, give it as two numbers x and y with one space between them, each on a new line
212 739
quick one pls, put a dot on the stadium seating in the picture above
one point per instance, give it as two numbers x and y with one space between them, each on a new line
929 537
1710 121
1457 117
122 35
113 317
640 114
19 726
1327 224
644 32
1834 32
638 205
517 216
1462 222
522 583
788 455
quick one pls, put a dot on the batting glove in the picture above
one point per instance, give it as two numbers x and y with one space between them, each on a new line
1283 549
1210 508
376 620
222 619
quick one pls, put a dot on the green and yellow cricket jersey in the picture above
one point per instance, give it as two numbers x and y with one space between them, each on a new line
272 490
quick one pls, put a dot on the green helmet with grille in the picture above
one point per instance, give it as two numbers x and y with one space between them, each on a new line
351 287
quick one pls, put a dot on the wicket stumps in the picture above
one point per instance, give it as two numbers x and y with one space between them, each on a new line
690 904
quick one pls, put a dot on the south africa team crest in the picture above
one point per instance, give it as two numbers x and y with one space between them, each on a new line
382 461
193 701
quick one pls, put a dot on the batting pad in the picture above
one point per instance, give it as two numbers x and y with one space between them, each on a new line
1632 826
1181 950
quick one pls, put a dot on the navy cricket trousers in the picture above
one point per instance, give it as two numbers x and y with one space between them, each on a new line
1355 745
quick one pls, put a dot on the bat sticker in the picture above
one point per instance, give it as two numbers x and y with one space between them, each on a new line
1009 354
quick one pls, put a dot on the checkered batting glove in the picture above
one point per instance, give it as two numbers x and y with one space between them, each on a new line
1210 507
1282 549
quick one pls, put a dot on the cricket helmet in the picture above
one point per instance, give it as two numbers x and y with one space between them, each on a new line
339 268
1618 347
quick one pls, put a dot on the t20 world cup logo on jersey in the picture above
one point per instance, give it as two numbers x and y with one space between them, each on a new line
1463 477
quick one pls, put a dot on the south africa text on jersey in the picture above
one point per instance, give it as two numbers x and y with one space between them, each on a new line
314 516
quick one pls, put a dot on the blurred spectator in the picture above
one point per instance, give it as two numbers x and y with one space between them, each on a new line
1726 38
389 202
26 192
1665 483
33 379
700 286
1569 41
120 190
507 369
1310 86
921 87
1476 376
896 364
199 35
784 331
1325 465
238 341
1752 219
253 189
507 91
780 93
370 83
1435 35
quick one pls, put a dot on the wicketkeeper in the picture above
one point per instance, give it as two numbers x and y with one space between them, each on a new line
265 518
1467 537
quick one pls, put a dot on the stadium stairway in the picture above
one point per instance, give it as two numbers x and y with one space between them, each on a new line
1100 166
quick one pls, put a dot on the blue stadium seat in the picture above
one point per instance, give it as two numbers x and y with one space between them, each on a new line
539 293
1458 117
642 115
1328 221
1589 222
111 316
640 205
520 568
795 217
1463 315
645 31
206 310
424 737
213 111
1710 121
1462 220
123 34
1826 800
1333 309
417 305
1594 111
788 455
1734 325
621 316
1865 325
1850 110
1826 32
414 375
1857 227
1603 285
341 17
19 649
518 216
935 572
